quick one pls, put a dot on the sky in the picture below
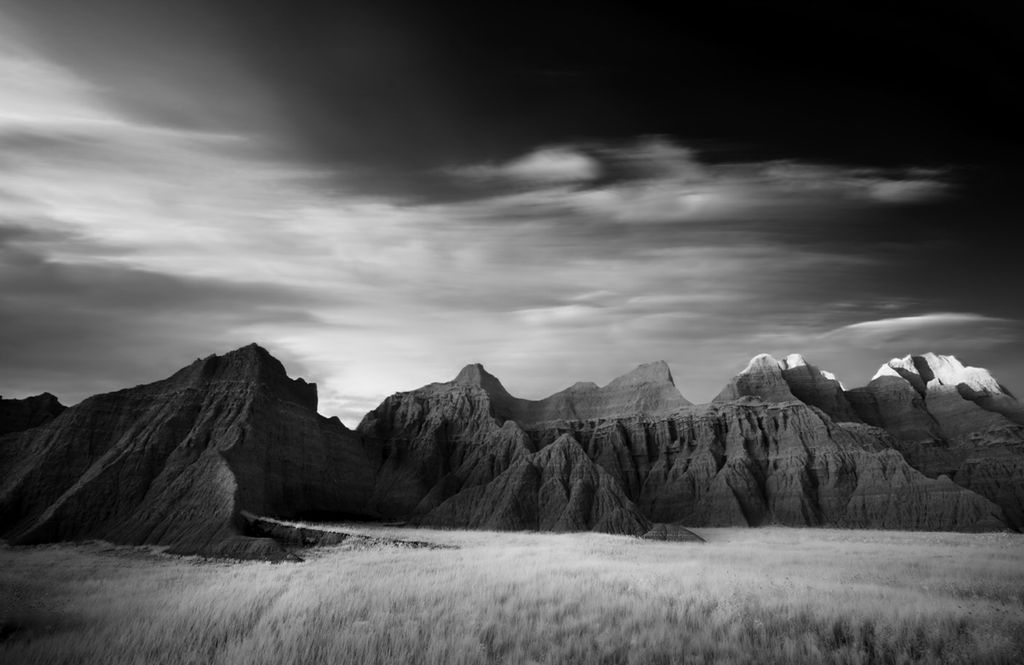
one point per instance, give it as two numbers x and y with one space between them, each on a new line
380 193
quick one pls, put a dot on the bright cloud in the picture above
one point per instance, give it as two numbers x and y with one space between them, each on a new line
555 164
938 328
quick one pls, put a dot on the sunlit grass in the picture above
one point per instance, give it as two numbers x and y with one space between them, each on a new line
747 596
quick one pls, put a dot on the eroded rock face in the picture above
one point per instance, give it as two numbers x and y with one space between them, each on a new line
558 488
17 415
672 532
750 463
928 444
470 438
788 380
951 419
174 462
765 457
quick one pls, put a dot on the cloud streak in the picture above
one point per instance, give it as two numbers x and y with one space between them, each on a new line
128 248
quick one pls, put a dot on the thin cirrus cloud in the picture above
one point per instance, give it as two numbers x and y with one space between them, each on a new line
942 329
129 248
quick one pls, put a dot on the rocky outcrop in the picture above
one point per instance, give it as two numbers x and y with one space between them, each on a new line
950 419
439 440
17 415
672 532
956 401
175 462
311 535
763 457
556 489
647 389
928 444
750 463
789 380
465 436
761 379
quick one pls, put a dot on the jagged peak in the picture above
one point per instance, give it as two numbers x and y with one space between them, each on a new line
796 361
932 369
251 363
761 362
655 372
475 376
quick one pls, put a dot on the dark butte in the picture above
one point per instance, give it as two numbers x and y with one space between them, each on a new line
188 461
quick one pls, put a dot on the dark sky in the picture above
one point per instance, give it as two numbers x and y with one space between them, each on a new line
382 193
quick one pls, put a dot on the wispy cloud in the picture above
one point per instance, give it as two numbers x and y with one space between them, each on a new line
939 328
127 248
656 180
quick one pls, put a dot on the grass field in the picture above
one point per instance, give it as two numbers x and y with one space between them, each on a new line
747 596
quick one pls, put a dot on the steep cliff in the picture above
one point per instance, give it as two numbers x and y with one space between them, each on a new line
757 455
556 489
952 419
470 438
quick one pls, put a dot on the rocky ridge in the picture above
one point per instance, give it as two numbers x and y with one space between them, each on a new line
757 455
951 419
198 461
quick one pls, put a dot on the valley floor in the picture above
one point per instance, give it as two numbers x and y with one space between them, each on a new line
746 596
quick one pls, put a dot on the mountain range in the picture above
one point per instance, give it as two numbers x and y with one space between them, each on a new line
190 461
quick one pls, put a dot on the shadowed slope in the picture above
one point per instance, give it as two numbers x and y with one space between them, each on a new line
556 489
479 456
788 380
173 462
952 419
17 415
448 438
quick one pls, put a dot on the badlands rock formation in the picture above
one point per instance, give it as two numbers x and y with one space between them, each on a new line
790 380
757 455
954 420
205 460
176 461
470 437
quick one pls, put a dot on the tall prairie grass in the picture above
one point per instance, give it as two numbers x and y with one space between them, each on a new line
772 595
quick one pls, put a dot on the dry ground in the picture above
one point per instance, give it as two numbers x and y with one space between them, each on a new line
747 596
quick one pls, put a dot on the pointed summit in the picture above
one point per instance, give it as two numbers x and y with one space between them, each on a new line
761 378
656 372
789 380
961 398
175 462
924 369
475 376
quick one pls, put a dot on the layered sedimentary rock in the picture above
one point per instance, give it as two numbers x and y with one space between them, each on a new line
951 419
175 462
469 437
928 444
758 455
17 415
555 489
788 380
